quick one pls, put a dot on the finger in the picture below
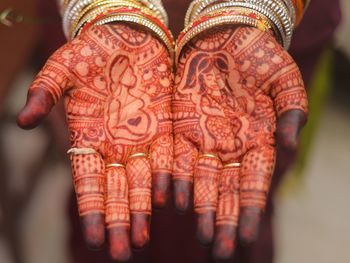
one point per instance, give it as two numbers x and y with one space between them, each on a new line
256 173
289 126
44 92
290 102
206 196
162 163
89 183
185 156
227 214
139 180
117 213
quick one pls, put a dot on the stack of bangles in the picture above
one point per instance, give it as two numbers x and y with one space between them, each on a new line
80 15
278 17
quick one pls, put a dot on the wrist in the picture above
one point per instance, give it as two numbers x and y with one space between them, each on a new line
279 17
79 16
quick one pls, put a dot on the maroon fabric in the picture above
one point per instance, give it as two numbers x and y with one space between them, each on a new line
173 235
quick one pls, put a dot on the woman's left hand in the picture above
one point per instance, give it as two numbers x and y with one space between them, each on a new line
234 89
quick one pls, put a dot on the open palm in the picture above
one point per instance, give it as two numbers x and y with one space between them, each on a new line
234 89
116 82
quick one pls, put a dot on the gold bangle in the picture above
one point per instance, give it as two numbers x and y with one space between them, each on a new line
93 13
141 20
102 5
210 23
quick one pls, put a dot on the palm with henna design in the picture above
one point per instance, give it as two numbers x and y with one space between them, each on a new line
236 90
116 82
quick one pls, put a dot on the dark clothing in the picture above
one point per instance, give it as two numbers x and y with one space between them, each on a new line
173 235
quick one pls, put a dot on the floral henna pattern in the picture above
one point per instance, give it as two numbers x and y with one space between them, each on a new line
235 90
116 81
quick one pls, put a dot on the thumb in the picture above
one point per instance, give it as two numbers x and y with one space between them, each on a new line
45 91
289 126
39 104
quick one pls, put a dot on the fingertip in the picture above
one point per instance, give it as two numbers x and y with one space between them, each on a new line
29 118
39 104
205 227
160 189
249 224
119 240
224 242
140 225
182 193
94 230
288 140
289 126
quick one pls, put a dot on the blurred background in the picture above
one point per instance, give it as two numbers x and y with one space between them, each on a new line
311 222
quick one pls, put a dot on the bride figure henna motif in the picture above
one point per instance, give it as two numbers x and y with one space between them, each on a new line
236 90
116 82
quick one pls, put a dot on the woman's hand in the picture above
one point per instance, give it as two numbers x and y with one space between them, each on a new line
236 91
116 82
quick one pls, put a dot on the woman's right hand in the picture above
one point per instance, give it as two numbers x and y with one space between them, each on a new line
116 81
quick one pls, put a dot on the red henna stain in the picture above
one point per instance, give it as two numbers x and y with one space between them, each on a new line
140 230
39 104
288 128
160 189
135 121
183 194
119 241
205 227
94 230
249 224
224 242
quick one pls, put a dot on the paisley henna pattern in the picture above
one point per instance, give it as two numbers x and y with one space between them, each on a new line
231 86
116 81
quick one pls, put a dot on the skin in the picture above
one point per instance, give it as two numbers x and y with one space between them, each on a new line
236 93
116 81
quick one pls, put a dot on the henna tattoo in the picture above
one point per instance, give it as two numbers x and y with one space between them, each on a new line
206 182
89 182
162 164
228 202
117 201
231 86
117 84
139 176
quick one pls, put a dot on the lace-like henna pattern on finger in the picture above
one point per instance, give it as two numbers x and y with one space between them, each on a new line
228 202
89 182
139 177
117 198
205 184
